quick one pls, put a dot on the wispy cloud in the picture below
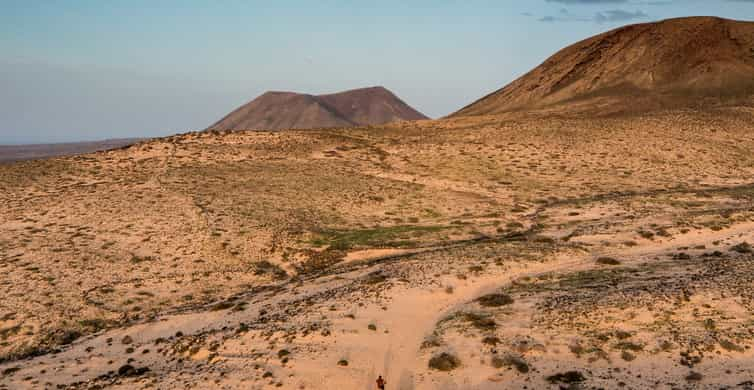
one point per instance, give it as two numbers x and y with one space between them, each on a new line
609 16
588 1
634 2
564 18
618 16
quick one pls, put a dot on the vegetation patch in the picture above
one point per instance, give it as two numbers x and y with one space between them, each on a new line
629 346
694 376
375 277
743 247
482 321
514 361
224 305
264 267
444 361
393 236
431 341
566 377
607 261
731 346
495 300
95 324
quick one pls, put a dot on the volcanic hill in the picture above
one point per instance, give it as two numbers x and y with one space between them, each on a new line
694 62
289 110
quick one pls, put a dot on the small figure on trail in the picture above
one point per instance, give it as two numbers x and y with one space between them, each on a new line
380 383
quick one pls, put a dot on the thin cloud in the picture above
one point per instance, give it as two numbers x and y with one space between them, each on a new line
588 1
647 2
553 19
610 16
618 16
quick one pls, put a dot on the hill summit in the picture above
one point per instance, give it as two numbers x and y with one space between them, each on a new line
695 61
290 110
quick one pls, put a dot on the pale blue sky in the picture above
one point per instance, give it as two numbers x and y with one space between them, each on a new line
93 69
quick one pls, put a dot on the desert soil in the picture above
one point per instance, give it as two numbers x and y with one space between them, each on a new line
468 253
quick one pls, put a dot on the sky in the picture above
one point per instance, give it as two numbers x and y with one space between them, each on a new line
75 70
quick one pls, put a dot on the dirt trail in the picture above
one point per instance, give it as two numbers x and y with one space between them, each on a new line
409 317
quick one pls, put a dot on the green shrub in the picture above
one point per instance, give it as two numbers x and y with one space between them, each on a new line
444 361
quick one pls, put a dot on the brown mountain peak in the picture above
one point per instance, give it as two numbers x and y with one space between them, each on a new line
275 110
676 62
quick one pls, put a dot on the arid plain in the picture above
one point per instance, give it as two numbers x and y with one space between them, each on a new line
498 250
583 235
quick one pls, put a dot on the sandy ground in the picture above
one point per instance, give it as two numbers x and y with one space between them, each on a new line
485 253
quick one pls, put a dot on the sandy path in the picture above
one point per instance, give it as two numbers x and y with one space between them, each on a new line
410 315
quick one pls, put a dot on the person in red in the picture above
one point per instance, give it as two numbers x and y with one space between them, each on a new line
380 383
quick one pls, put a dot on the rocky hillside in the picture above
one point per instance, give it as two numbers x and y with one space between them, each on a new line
687 62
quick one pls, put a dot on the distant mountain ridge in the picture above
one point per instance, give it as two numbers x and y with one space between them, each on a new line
684 62
11 153
290 110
